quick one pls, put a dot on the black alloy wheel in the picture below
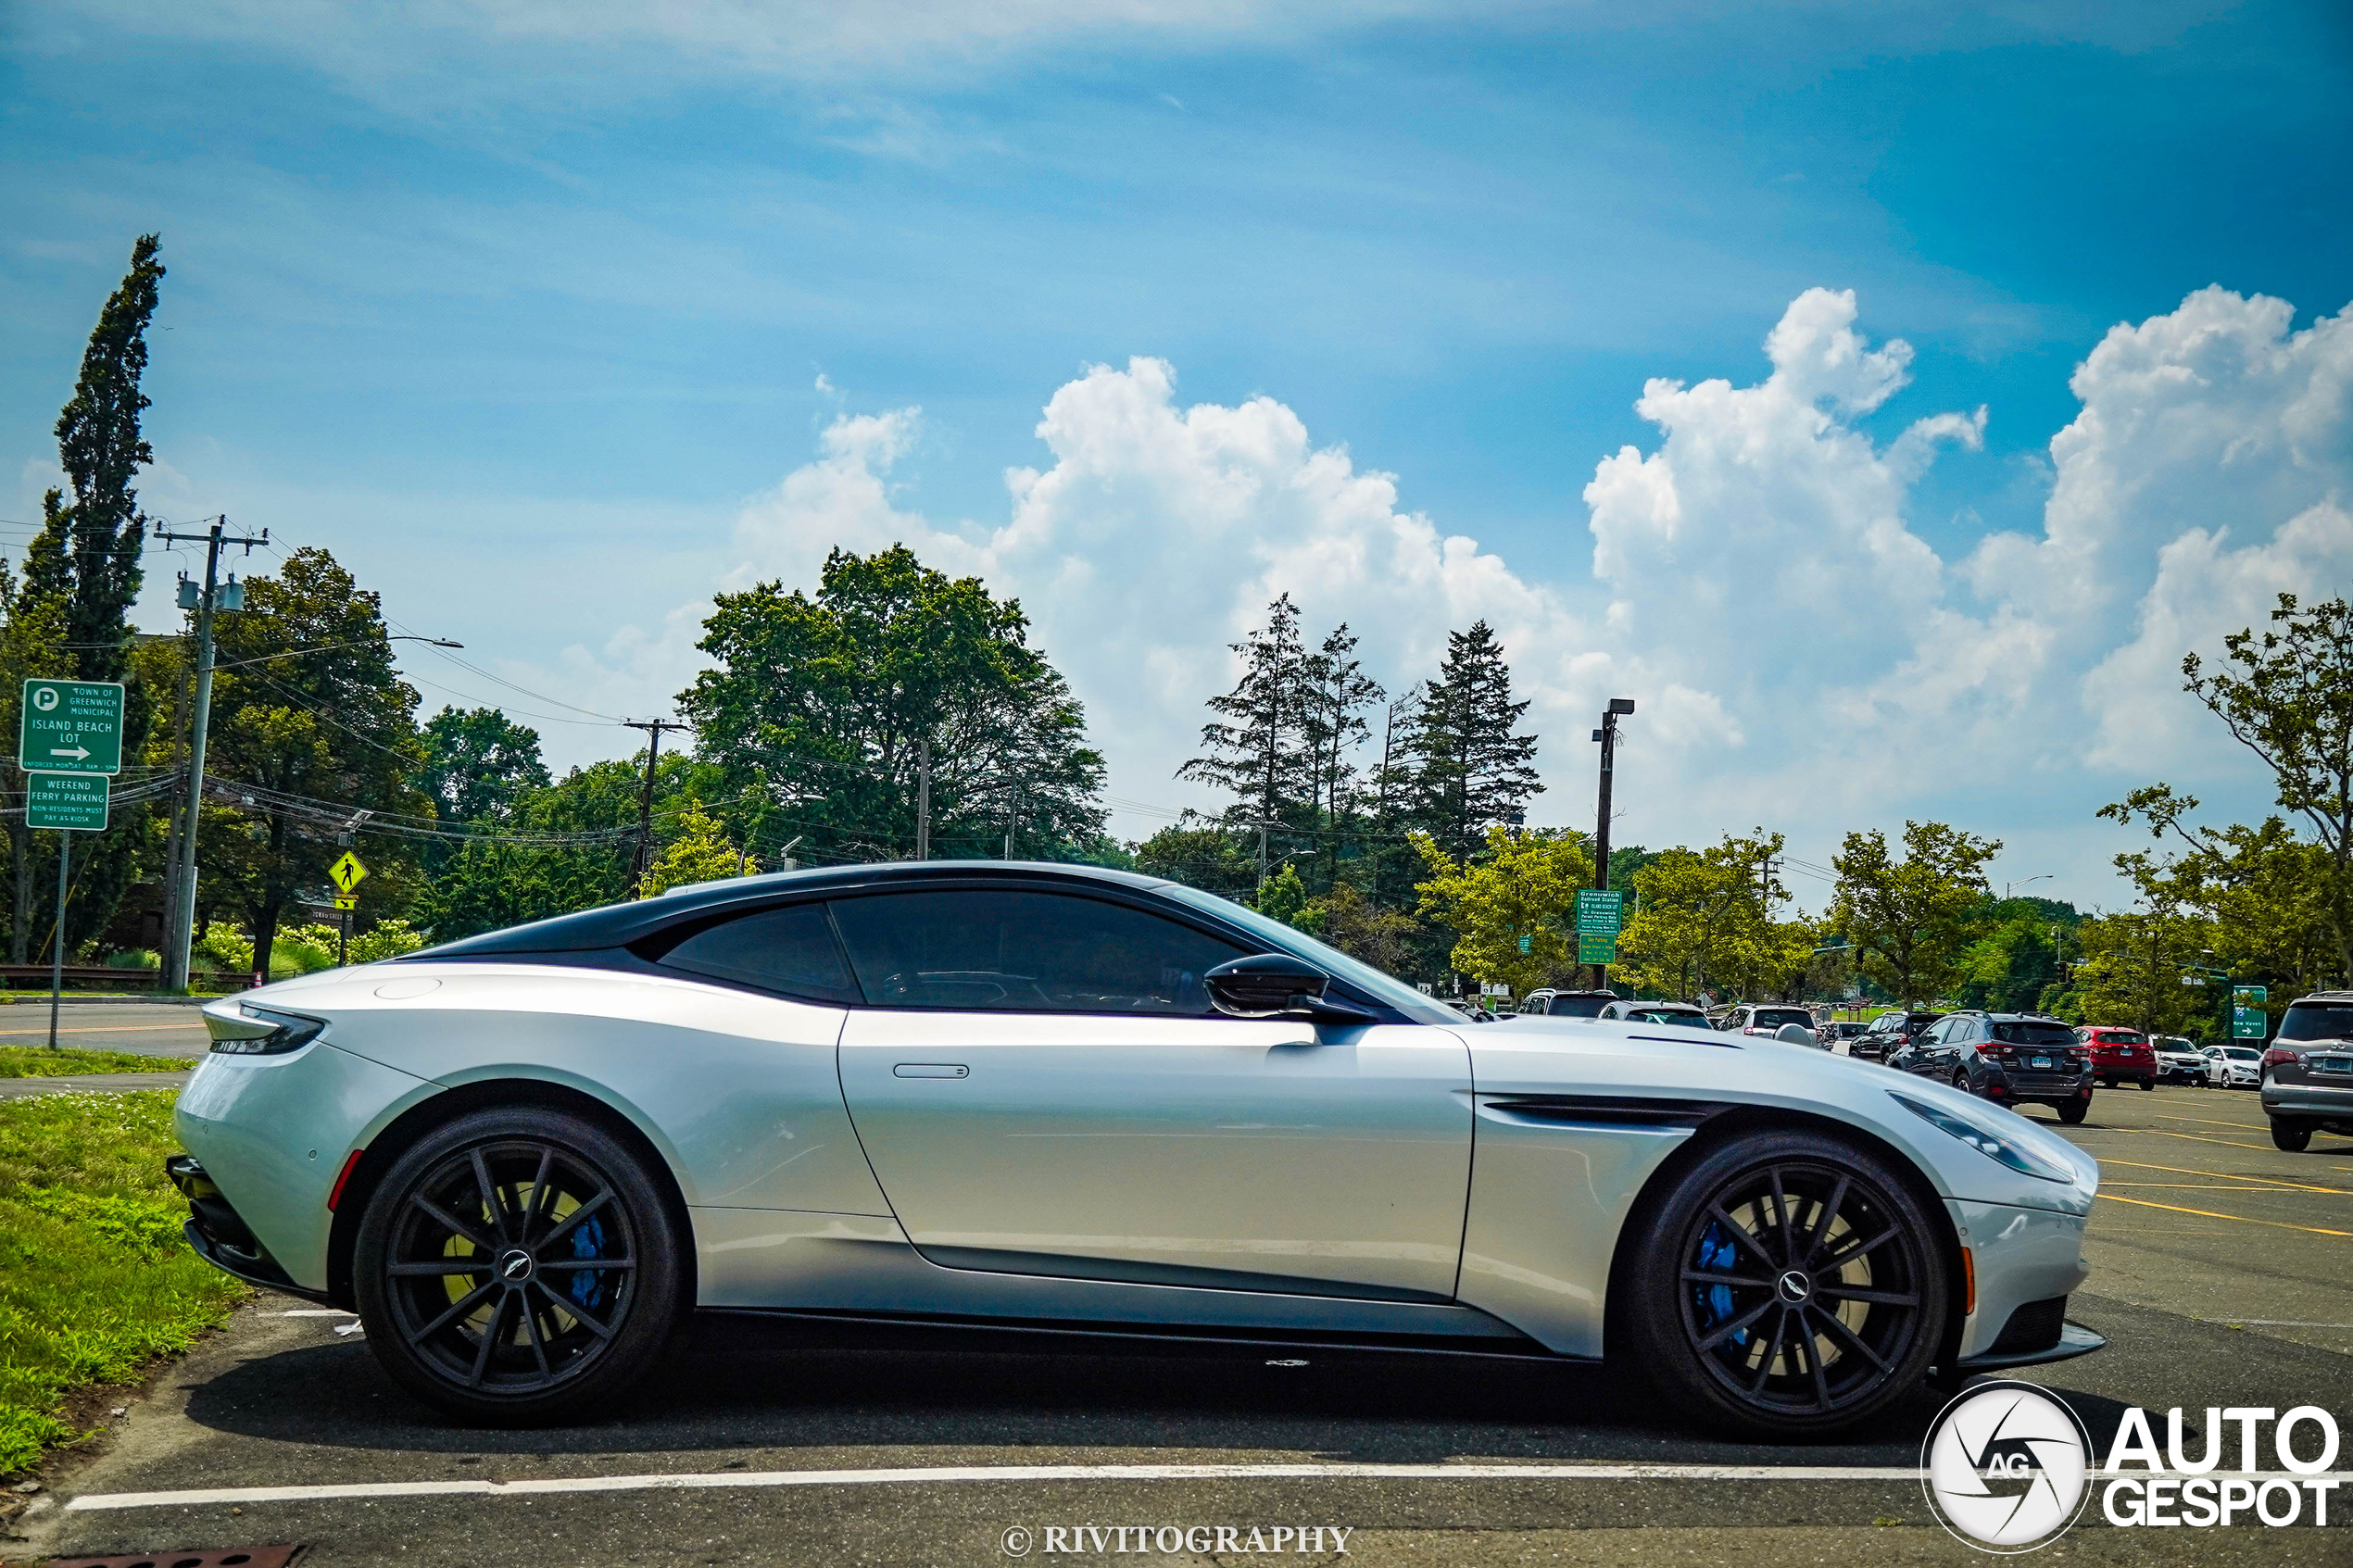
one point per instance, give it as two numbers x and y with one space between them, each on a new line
1789 1286
518 1267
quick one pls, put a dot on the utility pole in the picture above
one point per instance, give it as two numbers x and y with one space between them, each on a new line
1608 736
204 599
643 861
922 799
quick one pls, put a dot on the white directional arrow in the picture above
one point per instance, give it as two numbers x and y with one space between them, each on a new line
78 753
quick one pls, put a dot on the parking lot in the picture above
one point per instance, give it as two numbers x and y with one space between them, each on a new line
2220 1276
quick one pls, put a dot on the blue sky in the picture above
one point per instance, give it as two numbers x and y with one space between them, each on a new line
522 310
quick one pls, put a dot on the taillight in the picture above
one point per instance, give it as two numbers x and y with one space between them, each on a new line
2280 1056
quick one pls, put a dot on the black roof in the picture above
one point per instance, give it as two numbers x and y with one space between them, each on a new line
617 925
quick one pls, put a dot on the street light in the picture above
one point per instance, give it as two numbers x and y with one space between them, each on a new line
2027 883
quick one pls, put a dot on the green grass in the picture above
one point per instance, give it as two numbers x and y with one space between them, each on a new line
96 1279
40 1061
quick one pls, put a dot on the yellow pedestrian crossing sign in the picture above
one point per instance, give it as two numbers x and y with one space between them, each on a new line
347 873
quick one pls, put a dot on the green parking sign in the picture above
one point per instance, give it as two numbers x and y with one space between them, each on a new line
65 800
1601 911
1597 946
71 727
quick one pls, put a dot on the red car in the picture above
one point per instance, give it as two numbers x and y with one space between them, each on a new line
2119 1056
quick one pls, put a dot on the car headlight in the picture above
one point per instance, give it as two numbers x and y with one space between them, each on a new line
2006 1149
289 1032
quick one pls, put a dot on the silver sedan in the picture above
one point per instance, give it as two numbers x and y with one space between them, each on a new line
1014 1094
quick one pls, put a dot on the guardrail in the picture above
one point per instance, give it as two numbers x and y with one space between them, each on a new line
104 978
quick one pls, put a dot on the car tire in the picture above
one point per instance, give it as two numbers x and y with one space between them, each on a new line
1960 1081
519 1267
2072 1111
1854 1238
2148 1086
2293 1136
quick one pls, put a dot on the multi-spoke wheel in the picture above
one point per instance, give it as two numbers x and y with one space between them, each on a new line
517 1266
1788 1285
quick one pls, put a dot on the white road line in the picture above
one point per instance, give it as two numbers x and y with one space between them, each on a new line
730 1478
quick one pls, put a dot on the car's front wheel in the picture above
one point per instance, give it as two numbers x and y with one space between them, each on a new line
1787 1286
518 1267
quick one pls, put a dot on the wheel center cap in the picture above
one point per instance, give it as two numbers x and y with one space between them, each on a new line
515 1266
1794 1287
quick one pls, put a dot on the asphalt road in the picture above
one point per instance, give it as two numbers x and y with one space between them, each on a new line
2222 1269
156 1028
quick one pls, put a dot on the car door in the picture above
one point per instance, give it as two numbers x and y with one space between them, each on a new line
1042 1088
1927 1057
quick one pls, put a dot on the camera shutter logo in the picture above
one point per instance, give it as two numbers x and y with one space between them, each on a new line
2006 1467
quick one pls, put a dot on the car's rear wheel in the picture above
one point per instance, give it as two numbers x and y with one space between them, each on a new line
518 1267
2073 1110
2293 1136
1787 1286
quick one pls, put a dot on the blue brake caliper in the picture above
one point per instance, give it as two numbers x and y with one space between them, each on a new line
1717 1251
588 1285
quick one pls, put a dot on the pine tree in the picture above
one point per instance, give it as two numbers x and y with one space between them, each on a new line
1469 769
1338 691
1261 753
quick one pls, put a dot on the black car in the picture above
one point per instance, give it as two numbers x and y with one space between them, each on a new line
2010 1058
1888 1033
2307 1072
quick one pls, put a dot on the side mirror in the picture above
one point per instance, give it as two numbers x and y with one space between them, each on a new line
1277 985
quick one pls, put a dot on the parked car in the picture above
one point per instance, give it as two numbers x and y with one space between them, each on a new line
2010 1057
2307 1072
522 1157
2119 1056
1552 1003
1834 1033
1890 1031
2234 1067
1764 1017
2178 1060
1683 1015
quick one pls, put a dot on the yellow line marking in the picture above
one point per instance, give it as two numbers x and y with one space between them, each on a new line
2185 1170
2200 1186
2193 1137
2239 1219
2208 1122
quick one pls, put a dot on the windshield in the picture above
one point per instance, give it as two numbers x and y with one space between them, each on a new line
1577 1007
2316 1021
2244 1053
2035 1033
1773 1018
2120 1037
1669 1015
1290 939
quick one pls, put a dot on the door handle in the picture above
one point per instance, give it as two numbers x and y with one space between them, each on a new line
930 1069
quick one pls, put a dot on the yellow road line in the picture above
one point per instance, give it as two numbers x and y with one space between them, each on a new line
2200 1186
2240 1219
2193 1137
2208 1122
2185 1170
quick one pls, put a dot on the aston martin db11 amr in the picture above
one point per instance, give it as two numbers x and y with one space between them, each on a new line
1039 1095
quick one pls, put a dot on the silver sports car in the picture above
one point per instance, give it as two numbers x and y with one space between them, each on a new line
1029 1094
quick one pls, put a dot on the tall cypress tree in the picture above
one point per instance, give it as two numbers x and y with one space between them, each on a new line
1469 767
86 559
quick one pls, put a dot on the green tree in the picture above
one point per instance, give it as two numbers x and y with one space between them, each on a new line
1349 920
2008 968
311 725
2131 972
1469 770
700 852
1909 919
820 708
1201 854
1701 921
1259 748
85 560
2287 696
1523 889
1338 694
32 638
1284 898
477 762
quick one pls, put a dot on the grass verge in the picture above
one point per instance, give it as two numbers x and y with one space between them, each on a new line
40 1061
96 1279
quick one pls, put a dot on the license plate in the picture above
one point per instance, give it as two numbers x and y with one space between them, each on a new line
2333 1065
2039 1061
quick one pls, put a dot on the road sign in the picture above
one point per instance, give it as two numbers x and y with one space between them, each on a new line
347 901
1596 946
65 800
2248 1021
346 874
1526 943
1600 910
71 727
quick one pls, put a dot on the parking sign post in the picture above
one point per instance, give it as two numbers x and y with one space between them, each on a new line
67 732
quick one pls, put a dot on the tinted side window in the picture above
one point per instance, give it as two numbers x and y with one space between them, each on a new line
983 949
791 950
